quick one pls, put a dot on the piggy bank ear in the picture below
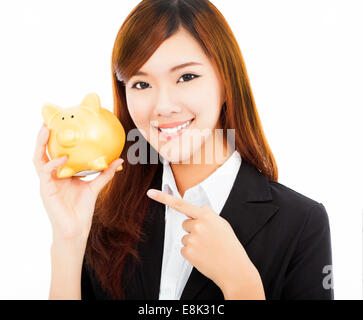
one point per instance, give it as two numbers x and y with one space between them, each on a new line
49 110
92 102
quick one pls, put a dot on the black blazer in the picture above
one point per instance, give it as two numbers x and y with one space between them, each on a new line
285 234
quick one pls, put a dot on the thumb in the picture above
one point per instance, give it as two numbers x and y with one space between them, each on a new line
105 176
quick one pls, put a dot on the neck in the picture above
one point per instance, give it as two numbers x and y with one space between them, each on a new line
187 175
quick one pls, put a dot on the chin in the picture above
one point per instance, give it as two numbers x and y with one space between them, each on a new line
174 156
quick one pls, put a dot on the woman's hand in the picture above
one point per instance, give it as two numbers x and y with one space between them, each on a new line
213 248
69 202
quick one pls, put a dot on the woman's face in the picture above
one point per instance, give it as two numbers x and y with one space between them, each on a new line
162 93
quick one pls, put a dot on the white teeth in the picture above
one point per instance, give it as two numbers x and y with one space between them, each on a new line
175 129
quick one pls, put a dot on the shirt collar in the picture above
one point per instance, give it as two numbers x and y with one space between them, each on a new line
216 186
168 182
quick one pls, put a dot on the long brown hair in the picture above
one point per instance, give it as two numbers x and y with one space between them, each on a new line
122 204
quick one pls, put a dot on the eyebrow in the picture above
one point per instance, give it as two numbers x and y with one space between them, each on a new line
140 73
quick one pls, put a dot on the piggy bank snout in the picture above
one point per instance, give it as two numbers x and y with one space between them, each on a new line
68 137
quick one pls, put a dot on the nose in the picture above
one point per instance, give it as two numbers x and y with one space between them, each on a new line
68 137
165 105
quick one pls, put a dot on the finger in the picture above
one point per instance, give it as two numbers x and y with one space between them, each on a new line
177 204
40 157
97 184
187 224
186 240
53 164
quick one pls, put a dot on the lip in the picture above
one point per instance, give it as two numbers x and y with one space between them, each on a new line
173 124
169 136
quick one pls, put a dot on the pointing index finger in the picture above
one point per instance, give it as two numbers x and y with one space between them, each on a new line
177 204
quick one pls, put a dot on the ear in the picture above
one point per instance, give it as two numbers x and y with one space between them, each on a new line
92 102
49 110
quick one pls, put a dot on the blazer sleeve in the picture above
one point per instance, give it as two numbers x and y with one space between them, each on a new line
309 274
87 292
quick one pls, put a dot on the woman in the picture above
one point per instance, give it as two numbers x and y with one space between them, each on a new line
220 225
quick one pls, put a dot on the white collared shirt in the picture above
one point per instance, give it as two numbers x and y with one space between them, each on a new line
213 192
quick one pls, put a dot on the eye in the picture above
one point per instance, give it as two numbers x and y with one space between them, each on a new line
186 77
136 83
72 116
62 118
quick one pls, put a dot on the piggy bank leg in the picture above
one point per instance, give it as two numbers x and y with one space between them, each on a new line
99 164
65 172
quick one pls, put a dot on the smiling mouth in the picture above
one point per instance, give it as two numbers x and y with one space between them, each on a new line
176 129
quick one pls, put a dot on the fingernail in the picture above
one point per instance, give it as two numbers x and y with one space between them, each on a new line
152 193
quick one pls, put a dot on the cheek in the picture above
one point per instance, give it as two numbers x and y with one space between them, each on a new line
138 116
207 110
206 105
139 111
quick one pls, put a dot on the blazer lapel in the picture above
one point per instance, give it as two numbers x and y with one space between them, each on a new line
246 209
247 212
151 251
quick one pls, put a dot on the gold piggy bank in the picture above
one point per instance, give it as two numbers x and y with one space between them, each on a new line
91 136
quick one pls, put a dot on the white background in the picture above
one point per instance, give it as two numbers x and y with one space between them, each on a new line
304 60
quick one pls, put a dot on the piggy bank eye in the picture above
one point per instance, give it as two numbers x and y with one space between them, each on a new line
62 118
72 116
